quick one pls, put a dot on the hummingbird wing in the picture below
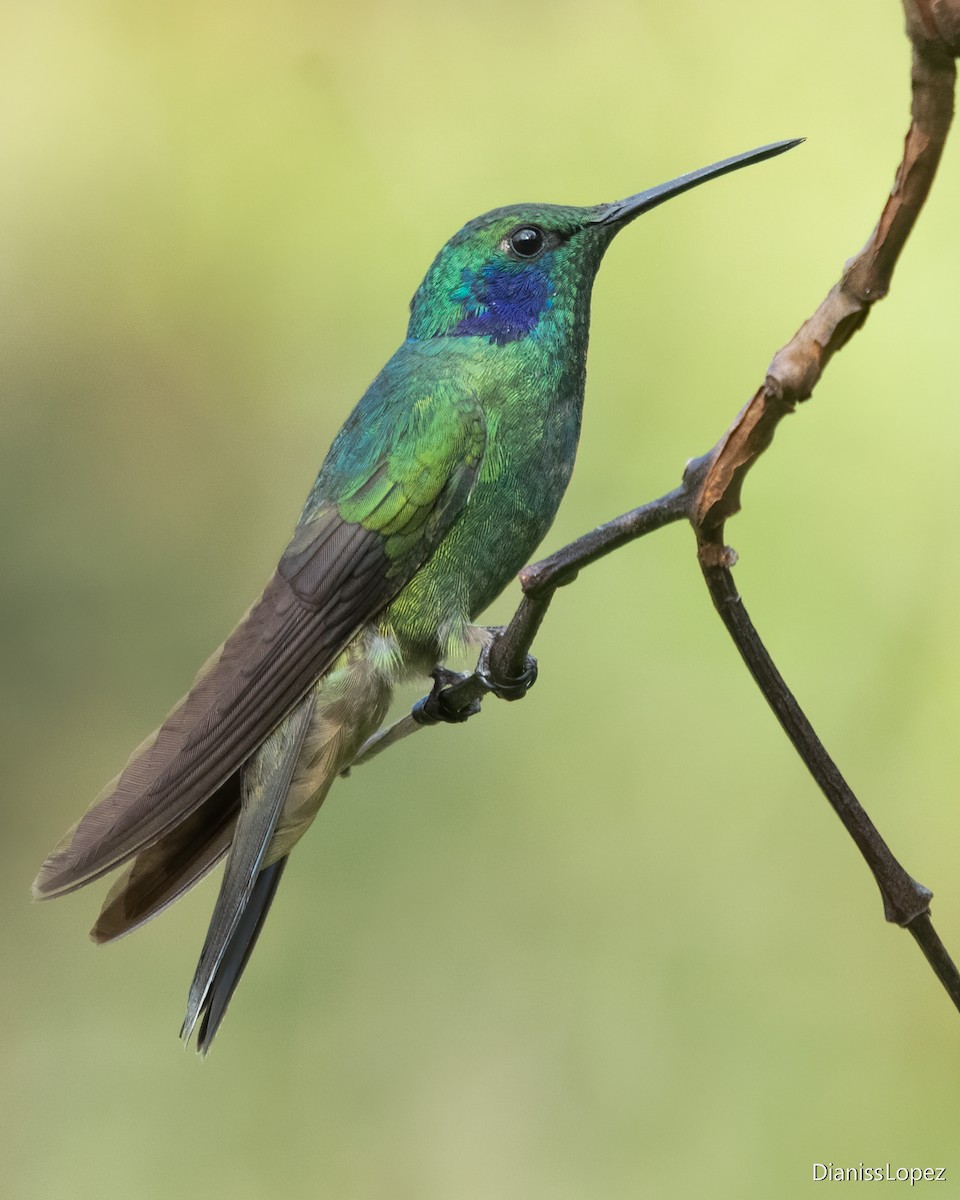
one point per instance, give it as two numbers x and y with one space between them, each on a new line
170 866
360 541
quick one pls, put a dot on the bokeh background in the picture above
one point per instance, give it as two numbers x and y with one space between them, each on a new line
610 942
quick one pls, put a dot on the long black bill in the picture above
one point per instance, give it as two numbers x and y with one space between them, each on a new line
625 210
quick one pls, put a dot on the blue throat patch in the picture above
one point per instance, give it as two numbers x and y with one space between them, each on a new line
502 305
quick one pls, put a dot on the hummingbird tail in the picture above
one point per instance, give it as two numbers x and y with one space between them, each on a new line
245 894
238 951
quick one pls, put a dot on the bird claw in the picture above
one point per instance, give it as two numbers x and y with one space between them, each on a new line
436 707
507 689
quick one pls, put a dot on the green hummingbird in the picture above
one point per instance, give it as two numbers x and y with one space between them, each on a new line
436 491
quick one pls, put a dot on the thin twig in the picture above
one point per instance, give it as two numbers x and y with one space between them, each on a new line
903 898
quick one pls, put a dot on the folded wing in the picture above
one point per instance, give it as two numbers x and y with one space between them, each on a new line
349 558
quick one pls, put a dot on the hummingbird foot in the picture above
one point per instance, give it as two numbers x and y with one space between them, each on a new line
437 707
506 689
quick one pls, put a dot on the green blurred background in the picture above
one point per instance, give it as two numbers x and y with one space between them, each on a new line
610 942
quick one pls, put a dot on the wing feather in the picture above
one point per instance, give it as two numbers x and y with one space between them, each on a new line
348 559
161 873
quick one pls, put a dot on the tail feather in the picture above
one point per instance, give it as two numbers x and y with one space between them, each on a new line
163 872
265 783
237 952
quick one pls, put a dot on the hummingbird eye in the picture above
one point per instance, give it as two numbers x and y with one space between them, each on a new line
526 242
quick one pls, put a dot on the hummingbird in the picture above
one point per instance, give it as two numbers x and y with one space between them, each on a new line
433 495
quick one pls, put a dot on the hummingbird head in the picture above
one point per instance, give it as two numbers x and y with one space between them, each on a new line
527 270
